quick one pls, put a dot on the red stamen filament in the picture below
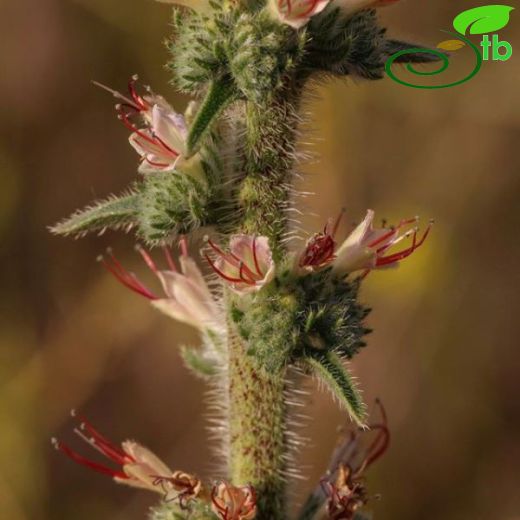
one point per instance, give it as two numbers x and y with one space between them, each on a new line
392 231
183 245
148 260
80 459
153 139
245 274
336 223
221 273
396 257
129 280
169 260
139 101
255 258
104 446
162 143
379 446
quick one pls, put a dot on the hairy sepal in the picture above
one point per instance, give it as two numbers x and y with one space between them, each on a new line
172 204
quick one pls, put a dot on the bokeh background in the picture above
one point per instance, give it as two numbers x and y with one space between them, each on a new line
444 356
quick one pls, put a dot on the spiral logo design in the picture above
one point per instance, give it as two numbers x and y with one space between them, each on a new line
445 63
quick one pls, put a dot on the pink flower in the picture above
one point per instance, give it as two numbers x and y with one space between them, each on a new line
159 136
233 502
366 248
248 265
187 296
135 465
297 13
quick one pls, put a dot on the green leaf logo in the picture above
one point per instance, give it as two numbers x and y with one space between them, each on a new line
483 20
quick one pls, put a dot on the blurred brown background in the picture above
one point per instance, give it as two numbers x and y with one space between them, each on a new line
444 356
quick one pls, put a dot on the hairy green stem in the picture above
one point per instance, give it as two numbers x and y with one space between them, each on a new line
268 160
258 414
257 427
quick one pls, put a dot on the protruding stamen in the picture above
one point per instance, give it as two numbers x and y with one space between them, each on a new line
255 258
336 224
101 443
169 259
401 255
147 258
221 273
183 245
116 94
139 101
245 274
392 231
80 459
230 258
128 279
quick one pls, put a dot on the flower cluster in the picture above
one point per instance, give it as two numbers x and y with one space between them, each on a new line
159 136
248 265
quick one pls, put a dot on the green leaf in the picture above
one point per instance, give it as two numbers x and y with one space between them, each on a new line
330 369
112 213
219 95
483 20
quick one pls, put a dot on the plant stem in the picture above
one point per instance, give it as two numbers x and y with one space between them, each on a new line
257 426
268 160
257 408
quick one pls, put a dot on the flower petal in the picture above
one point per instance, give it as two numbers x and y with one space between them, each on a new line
146 458
171 128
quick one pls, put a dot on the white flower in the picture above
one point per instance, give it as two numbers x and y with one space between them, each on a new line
134 465
248 265
159 134
187 296
366 247
162 143
297 13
